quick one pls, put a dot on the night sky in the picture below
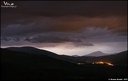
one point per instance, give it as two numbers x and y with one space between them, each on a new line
66 27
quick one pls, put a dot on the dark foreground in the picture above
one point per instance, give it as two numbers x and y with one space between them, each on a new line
25 66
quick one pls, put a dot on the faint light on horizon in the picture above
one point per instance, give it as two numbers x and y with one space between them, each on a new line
103 63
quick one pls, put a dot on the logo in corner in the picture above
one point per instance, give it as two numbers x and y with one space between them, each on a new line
6 4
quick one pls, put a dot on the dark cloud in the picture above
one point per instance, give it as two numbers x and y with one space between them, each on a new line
84 37
64 16
64 24
79 22
27 9
61 8
48 39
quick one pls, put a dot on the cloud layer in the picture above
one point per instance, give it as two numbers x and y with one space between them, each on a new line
84 37
64 24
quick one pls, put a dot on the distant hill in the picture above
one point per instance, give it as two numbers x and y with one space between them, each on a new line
96 54
36 51
32 50
119 58
23 66
75 56
8 56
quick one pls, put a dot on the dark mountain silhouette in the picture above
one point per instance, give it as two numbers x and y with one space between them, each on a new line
20 65
31 58
32 50
96 54
17 65
47 53
75 55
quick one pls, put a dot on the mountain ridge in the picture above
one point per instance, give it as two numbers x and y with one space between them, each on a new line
29 66
96 54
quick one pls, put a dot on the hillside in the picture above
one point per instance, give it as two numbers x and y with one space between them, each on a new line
30 59
23 66
120 58
96 54
28 66
44 52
